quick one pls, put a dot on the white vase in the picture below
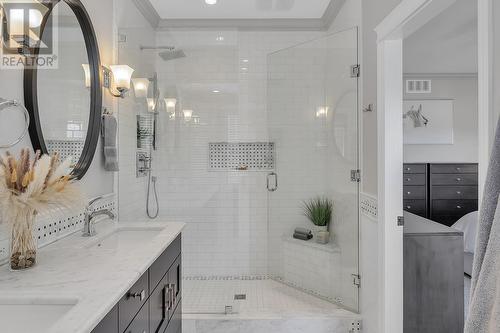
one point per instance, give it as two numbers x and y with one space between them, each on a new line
323 237
318 229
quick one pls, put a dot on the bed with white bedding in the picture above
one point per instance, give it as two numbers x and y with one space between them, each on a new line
468 225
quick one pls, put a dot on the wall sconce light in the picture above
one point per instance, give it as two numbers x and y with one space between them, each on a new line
170 103
322 112
188 114
141 87
117 79
86 70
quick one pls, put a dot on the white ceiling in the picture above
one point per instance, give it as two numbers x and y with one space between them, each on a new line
241 9
447 44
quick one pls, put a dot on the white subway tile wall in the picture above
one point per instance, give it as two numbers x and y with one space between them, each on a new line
224 83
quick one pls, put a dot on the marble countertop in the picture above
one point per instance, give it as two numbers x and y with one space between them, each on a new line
96 278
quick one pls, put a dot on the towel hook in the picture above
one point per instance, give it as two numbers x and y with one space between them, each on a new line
5 104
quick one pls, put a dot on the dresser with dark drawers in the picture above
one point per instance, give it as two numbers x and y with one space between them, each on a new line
415 189
440 192
453 191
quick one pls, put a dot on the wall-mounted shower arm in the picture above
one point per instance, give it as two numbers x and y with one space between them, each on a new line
146 47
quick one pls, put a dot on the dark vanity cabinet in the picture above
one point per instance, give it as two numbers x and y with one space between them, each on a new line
442 192
153 304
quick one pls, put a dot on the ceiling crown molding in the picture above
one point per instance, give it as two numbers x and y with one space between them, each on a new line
148 11
331 12
319 24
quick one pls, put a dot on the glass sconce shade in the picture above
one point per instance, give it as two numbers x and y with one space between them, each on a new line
141 86
170 103
188 114
151 104
121 76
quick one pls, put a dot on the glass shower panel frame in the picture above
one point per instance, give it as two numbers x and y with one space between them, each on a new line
313 120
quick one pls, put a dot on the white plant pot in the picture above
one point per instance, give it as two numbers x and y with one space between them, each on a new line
323 237
318 228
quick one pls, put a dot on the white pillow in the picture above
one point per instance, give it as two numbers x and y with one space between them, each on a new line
468 225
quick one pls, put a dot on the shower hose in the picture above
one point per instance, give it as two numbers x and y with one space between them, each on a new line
152 179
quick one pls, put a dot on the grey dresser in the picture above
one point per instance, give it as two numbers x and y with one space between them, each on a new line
439 191
433 273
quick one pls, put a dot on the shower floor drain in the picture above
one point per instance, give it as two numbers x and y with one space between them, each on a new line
240 297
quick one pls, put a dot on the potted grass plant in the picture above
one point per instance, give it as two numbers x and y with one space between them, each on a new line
319 211
29 185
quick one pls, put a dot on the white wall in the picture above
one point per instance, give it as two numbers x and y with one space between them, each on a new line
463 91
137 31
373 13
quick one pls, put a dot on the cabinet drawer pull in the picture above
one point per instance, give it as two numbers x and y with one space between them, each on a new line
141 295
458 168
408 207
459 179
169 300
459 192
408 169
459 207
408 179
172 301
408 192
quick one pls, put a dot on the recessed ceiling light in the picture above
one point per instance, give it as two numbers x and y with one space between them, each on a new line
245 60
211 2
244 69
215 91
219 38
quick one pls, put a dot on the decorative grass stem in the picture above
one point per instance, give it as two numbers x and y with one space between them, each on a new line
23 242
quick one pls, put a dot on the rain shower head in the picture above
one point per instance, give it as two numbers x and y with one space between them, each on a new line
172 54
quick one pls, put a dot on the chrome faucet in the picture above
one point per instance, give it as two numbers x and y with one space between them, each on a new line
90 214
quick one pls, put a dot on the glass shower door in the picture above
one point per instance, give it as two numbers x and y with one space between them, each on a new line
313 122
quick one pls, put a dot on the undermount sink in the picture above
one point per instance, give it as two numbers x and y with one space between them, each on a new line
23 315
125 237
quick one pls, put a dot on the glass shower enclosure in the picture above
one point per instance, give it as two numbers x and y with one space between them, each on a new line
313 123
233 119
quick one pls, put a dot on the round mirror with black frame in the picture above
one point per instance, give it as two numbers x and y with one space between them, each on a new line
65 101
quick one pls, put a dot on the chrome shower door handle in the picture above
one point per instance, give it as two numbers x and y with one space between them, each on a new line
274 187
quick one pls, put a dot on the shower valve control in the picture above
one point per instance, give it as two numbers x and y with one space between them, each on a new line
142 164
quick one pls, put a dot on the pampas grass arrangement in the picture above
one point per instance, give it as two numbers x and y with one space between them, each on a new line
30 185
